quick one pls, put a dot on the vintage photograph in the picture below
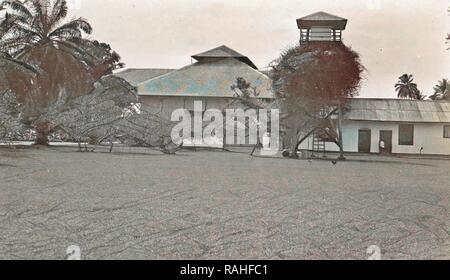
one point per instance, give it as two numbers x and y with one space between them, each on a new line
224 130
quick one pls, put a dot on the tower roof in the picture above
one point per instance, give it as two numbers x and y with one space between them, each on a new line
322 19
223 52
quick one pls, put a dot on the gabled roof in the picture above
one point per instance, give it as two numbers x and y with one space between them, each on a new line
223 52
322 19
398 110
137 76
207 79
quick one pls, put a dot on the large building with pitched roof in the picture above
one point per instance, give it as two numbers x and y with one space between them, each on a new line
209 79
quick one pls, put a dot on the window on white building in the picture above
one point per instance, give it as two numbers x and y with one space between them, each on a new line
406 135
446 131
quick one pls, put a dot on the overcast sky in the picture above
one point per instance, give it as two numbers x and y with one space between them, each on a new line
392 36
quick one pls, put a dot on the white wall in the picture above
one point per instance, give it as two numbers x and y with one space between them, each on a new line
168 104
430 136
171 103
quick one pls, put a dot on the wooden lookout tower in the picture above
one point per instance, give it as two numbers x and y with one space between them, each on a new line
321 27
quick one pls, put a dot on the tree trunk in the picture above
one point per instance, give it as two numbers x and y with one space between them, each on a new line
290 142
42 132
341 141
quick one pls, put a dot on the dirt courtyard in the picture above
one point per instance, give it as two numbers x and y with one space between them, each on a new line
220 205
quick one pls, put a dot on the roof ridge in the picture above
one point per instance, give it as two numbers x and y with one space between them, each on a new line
148 68
397 99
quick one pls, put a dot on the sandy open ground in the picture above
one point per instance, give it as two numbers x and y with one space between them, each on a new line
219 205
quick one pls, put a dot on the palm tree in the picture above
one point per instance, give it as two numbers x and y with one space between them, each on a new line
406 88
38 23
441 90
14 73
35 34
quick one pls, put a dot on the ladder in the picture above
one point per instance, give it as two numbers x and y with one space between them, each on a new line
318 143
318 146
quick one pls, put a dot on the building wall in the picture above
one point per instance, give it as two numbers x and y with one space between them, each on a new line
429 136
170 103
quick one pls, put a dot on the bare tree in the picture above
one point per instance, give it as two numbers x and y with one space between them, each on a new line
92 117
145 128
109 113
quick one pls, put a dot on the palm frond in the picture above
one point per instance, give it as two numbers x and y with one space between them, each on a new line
84 25
11 44
21 30
19 8
39 20
6 24
59 12
66 33
77 24
37 7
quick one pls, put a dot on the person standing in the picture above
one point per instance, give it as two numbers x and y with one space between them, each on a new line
382 147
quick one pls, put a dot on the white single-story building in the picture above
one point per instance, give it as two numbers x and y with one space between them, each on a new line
405 127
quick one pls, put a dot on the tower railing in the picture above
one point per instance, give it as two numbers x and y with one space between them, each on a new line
307 35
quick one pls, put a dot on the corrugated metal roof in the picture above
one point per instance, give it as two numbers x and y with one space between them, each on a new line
207 79
137 76
398 110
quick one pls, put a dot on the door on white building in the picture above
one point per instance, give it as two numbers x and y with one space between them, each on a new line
364 140
386 137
